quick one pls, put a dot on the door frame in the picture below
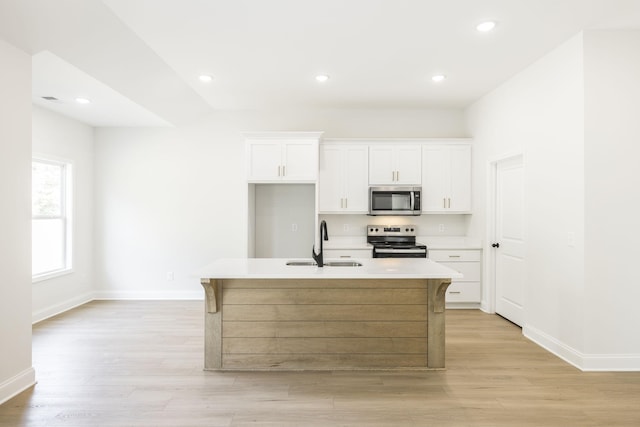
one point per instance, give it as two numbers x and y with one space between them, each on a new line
489 302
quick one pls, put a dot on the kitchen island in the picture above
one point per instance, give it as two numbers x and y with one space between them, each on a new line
262 314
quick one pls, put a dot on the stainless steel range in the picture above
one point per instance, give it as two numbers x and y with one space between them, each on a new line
395 241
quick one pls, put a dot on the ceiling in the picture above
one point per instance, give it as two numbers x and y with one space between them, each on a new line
138 61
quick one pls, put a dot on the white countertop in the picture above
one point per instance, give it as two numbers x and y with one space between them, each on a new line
450 242
372 268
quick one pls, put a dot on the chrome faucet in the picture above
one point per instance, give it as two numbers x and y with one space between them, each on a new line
324 235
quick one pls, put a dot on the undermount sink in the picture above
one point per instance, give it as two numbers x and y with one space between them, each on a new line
304 263
301 263
343 264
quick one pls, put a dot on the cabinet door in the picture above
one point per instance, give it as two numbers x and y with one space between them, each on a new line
395 165
435 171
470 270
408 165
330 184
460 179
356 180
381 165
466 291
455 255
300 161
264 161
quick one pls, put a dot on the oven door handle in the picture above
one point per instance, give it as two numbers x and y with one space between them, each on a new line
400 251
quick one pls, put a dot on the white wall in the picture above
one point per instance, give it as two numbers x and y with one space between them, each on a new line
539 112
574 115
173 200
166 200
612 202
16 372
66 139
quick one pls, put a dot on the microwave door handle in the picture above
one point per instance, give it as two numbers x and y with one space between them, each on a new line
412 201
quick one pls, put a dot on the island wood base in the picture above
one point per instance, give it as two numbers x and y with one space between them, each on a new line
324 324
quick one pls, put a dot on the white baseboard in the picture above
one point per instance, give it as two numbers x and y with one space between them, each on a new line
563 351
149 295
485 307
55 309
17 384
612 362
582 361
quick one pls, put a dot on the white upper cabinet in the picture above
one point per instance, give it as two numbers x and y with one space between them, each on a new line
300 161
282 156
265 160
343 181
446 178
397 164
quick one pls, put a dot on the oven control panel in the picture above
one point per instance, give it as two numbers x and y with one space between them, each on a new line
391 230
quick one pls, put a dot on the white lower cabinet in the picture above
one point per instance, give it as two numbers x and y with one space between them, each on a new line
347 253
465 292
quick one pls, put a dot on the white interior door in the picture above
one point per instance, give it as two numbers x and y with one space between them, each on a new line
509 244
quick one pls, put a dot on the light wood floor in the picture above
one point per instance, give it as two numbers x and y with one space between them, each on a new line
140 364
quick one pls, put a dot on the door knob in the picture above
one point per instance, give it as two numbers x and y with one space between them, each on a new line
495 245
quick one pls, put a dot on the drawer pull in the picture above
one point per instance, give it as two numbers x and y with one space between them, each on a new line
345 256
454 256
454 292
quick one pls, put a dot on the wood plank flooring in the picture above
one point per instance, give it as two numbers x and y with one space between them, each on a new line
139 363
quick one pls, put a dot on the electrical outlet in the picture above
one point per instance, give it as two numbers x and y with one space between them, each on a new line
170 276
441 228
294 227
345 227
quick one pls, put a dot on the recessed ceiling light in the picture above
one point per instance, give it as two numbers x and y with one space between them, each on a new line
205 78
83 101
486 26
438 78
322 78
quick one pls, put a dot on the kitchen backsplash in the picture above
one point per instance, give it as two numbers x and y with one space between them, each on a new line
428 225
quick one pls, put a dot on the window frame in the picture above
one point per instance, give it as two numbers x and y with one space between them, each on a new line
66 215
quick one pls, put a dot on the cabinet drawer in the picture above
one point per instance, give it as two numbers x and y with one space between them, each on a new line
347 253
463 292
453 255
471 270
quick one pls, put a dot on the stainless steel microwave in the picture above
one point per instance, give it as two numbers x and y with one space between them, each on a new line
395 200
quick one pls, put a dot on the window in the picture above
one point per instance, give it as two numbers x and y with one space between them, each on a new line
50 218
